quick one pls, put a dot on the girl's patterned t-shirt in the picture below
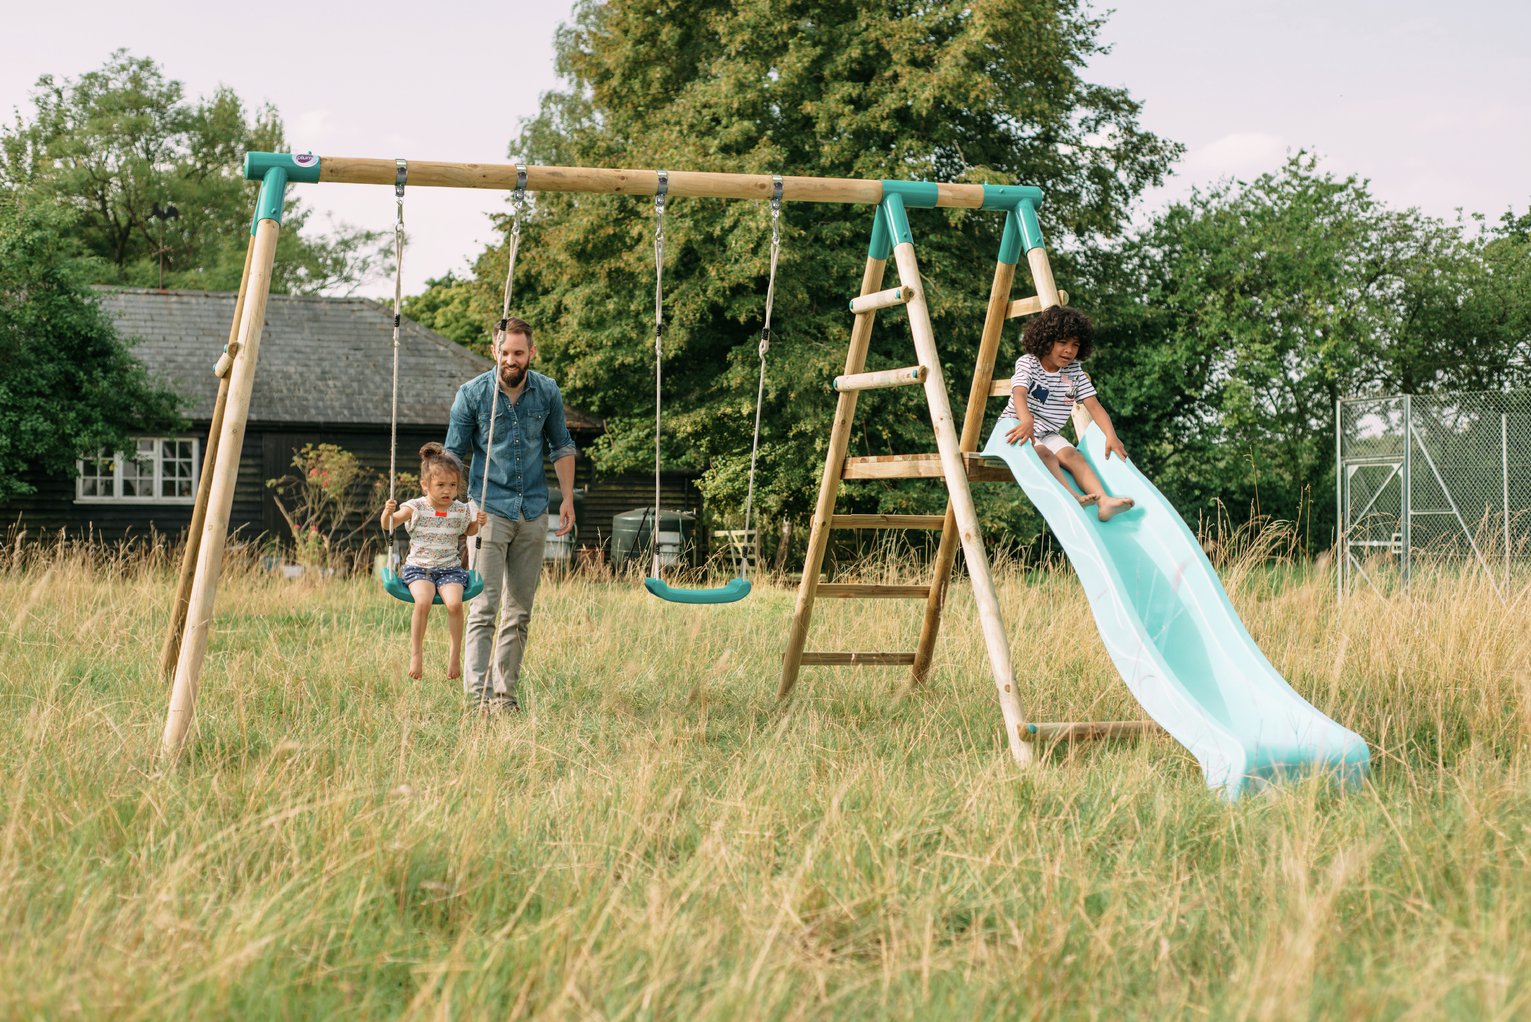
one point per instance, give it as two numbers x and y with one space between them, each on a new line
434 536
1049 396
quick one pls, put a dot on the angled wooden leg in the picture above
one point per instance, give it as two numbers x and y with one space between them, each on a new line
961 497
171 650
972 429
204 590
829 485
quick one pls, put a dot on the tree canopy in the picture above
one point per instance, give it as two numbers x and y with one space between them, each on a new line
1233 323
971 92
117 144
69 387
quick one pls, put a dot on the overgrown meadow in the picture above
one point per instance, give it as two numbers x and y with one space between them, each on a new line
655 837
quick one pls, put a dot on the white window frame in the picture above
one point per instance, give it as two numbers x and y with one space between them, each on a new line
118 461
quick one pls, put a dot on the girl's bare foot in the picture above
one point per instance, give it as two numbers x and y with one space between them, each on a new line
417 666
1110 507
454 669
1086 499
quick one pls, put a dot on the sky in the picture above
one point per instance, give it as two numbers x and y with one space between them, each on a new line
1426 102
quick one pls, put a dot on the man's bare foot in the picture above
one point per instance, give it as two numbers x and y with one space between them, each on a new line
1110 507
416 667
454 669
1086 499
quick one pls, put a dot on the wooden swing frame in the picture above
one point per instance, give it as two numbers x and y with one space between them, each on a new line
956 462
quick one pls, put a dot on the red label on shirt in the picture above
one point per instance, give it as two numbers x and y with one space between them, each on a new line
441 514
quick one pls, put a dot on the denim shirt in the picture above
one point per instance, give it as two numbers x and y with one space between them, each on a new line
523 432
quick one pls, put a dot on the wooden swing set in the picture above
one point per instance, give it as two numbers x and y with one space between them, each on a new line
955 460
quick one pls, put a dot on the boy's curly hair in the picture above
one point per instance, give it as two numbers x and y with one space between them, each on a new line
1056 323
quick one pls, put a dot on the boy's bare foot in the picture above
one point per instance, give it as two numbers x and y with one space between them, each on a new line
1110 507
454 669
417 667
1086 499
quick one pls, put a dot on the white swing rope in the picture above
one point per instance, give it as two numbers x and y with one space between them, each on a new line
659 203
765 346
401 172
517 208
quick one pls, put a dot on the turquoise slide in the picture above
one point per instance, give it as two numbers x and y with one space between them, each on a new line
1174 636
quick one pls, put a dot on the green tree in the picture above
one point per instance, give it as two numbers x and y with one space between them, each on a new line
115 144
69 387
1236 320
970 92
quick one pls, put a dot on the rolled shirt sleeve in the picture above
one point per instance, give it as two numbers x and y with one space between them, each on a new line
555 432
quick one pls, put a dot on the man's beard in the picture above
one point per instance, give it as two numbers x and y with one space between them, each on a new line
512 376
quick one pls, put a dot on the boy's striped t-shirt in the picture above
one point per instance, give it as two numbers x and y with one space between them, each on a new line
1049 396
434 536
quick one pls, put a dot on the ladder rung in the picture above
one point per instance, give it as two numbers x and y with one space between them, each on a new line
905 377
852 590
857 659
999 386
881 299
921 466
887 521
1031 306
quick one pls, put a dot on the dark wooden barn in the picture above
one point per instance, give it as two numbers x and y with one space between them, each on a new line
323 376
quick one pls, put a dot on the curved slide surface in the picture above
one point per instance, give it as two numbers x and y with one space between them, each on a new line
1174 636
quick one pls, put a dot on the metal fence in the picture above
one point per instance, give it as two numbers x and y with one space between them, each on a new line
1423 481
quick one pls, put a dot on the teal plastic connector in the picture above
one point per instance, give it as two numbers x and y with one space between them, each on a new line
301 168
273 189
898 222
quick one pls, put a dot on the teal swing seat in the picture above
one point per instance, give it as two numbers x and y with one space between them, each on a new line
399 591
736 590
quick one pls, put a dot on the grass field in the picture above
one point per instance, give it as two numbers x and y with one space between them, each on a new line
656 838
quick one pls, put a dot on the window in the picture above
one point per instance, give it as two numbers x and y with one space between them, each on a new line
156 470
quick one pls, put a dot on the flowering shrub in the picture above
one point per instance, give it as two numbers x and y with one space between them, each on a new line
326 501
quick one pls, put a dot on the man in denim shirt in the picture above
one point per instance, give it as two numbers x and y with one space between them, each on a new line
528 425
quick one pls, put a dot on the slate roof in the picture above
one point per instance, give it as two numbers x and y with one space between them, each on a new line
321 360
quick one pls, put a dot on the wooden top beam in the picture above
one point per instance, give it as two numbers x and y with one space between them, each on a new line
502 176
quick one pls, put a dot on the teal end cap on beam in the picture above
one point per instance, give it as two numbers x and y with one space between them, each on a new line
273 189
1010 241
880 246
916 194
898 223
1008 196
1031 231
302 168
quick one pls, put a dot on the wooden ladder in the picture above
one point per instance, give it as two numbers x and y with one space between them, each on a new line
954 461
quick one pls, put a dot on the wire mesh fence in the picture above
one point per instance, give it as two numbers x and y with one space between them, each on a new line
1431 481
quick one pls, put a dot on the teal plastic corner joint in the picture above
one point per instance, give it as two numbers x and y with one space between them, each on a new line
273 189
898 222
302 168
880 246
1010 240
1007 196
916 194
1031 231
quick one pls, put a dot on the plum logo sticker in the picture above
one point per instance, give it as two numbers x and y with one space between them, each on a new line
305 159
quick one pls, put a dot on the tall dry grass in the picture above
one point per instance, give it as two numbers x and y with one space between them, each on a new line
654 837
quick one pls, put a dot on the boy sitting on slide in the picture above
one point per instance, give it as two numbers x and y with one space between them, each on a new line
1047 383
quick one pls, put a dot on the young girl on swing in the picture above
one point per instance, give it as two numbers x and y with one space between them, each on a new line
436 522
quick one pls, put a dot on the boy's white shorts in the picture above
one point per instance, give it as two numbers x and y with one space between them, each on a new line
1054 442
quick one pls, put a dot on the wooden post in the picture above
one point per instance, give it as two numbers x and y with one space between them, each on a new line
188 670
961 497
829 486
171 650
972 427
